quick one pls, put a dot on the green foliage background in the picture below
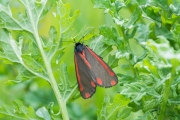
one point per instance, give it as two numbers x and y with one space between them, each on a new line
38 93
142 37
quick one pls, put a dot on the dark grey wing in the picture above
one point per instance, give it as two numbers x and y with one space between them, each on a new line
105 76
85 77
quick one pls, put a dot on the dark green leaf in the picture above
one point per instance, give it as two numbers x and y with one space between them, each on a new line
112 61
135 16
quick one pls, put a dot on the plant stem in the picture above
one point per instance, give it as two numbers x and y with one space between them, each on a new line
61 103
165 95
126 43
164 100
121 33
55 88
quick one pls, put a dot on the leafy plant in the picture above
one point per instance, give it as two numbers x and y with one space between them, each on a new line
147 40
28 62
154 83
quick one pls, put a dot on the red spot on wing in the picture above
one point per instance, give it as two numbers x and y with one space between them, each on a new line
87 95
80 87
113 82
102 62
83 56
99 81
93 84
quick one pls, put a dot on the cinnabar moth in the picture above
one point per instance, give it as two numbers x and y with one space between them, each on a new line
91 71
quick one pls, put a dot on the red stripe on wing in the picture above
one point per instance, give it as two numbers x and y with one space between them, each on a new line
83 56
77 74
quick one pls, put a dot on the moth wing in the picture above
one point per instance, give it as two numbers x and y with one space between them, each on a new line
105 76
85 77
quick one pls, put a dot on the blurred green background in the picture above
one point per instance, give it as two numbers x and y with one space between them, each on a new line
38 93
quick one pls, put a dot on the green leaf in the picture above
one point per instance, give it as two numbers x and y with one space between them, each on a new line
63 15
175 7
112 61
141 37
111 38
163 48
122 54
135 16
12 51
33 64
99 47
110 110
146 116
138 90
124 112
35 10
43 113
175 32
125 79
85 34
51 45
68 91
103 4
54 116
151 104
56 44
120 4
23 73
110 34
6 19
18 111
152 13
163 31
110 6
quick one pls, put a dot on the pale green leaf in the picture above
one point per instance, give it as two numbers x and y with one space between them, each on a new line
6 19
110 110
98 46
18 111
63 15
85 34
43 113
68 91
12 51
